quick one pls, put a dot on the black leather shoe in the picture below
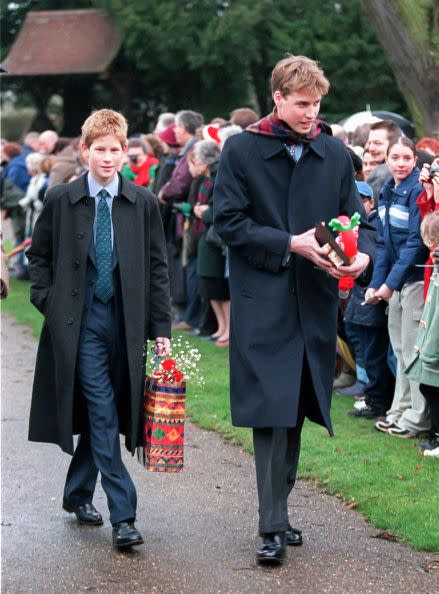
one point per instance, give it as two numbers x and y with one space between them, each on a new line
272 549
125 535
294 537
85 513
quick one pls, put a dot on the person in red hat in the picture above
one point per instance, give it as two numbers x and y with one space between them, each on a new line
168 160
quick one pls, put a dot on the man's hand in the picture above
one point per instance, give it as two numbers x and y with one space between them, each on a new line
306 245
162 346
359 265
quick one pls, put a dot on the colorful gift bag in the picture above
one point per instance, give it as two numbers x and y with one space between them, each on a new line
163 437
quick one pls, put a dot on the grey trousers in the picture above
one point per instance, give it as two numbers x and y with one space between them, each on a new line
409 407
277 452
276 458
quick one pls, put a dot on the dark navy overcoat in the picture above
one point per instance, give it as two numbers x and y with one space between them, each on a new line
281 310
58 268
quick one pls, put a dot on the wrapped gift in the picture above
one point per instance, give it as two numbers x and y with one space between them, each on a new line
164 415
332 249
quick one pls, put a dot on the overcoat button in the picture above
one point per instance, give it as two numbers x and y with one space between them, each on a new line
90 283
84 308
74 293
75 264
80 235
70 321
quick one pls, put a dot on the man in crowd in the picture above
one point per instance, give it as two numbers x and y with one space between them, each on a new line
243 116
177 190
47 141
276 181
380 136
339 132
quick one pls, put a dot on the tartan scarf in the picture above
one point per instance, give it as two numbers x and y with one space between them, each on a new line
273 126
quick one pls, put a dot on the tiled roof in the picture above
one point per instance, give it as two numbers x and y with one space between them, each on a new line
63 42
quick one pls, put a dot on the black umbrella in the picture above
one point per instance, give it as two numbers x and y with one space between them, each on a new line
405 125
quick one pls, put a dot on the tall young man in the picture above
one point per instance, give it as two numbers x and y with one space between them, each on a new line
276 181
98 273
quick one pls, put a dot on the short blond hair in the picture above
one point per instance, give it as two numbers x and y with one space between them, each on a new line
33 162
298 73
103 122
430 229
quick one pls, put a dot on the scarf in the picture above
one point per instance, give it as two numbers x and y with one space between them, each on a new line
273 126
142 171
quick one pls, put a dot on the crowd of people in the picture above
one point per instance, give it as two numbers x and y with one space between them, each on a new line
381 326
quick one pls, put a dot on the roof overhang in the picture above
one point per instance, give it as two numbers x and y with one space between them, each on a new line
60 42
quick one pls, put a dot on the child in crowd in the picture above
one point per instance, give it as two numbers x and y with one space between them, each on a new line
32 203
425 366
366 328
369 163
397 280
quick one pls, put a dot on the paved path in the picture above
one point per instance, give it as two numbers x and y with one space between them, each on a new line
199 525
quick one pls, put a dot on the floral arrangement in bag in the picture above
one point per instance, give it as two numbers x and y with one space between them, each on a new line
181 365
164 407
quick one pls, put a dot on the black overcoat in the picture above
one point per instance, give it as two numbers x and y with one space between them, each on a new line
281 310
57 267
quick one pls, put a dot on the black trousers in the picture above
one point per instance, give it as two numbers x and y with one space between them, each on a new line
431 395
277 452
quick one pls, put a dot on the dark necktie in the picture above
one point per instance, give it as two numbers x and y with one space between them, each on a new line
104 252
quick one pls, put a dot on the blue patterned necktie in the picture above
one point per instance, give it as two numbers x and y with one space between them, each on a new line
104 252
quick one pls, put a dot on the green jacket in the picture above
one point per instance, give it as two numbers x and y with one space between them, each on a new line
425 366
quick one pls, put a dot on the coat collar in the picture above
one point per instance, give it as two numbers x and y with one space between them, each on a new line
78 189
272 146
406 185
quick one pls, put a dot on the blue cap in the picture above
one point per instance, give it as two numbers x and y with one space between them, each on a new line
364 189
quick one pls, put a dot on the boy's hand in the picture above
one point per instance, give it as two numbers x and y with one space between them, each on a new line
384 293
162 346
369 296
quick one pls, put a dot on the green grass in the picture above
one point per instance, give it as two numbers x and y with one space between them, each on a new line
384 477
19 306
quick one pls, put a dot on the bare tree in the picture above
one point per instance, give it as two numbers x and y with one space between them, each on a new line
408 31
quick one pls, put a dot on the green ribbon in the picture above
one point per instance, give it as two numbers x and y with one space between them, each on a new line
337 225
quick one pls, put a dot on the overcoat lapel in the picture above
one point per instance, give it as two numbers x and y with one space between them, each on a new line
84 214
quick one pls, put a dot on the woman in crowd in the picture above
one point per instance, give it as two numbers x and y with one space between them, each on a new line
213 286
397 279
